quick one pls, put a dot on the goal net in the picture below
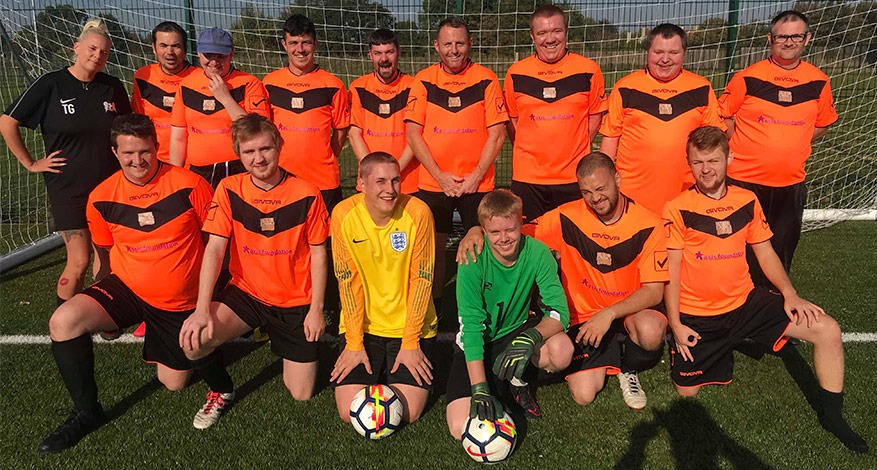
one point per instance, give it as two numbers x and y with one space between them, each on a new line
37 34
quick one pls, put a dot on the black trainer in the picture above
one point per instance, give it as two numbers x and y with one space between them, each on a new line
525 397
111 335
78 424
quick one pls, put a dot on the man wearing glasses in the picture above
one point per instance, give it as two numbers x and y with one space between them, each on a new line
774 109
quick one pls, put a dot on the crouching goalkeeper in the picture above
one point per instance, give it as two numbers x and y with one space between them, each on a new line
501 343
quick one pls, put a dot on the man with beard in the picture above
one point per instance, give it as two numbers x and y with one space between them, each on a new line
377 108
613 269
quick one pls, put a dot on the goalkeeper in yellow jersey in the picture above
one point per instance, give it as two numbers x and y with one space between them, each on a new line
383 245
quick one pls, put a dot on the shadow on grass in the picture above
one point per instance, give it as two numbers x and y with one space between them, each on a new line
15 274
696 441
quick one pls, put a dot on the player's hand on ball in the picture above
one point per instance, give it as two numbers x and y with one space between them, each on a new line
484 405
513 361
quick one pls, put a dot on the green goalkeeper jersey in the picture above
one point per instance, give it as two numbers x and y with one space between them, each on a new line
493 299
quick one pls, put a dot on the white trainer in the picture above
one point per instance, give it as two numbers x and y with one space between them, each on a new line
632 391
210 413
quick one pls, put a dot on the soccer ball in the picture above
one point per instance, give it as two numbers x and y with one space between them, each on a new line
490 441
376 411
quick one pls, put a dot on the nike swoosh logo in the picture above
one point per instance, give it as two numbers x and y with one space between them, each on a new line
67 101
360 241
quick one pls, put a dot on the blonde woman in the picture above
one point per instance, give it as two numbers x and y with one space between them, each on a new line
74 108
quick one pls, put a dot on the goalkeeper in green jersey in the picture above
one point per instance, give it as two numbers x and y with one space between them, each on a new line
500 339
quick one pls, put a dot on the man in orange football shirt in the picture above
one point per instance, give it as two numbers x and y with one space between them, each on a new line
155 86
143 219
310 108
712 305
774 109
554 96
454 123
207 101
377 108
651 112
274 225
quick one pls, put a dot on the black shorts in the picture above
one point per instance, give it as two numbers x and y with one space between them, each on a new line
162 344
284 326
458 377
382 357
331 197
541 198
607 356
443 206
761 318
68 213
216 172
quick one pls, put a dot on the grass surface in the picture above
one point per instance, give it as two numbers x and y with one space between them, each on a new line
762 420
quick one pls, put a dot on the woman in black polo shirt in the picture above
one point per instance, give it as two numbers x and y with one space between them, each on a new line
74 108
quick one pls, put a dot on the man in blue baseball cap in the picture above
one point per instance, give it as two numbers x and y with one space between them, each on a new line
215 41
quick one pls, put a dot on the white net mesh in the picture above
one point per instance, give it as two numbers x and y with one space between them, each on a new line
841 173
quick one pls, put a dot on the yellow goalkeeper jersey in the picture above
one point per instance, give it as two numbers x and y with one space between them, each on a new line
385 273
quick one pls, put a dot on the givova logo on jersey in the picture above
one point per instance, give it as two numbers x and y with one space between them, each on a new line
398 241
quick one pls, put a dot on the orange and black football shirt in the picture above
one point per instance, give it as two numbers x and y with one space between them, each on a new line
205 119
305 109
378 109
153 95
775 112
712 234
652 120
455 112
601 265
154 233
553 103
271 233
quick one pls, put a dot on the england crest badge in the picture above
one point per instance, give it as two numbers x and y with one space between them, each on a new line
399 241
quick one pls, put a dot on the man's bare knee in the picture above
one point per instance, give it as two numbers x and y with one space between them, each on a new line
687 391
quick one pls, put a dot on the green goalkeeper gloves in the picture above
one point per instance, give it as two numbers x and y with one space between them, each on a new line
513 361
483 404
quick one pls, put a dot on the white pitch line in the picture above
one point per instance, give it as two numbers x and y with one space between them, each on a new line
28 340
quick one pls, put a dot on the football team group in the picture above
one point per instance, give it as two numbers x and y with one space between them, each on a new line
680 229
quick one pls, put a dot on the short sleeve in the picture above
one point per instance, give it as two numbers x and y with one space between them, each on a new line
509 93
613 123
256 100
317 221
826 114
494 104
356 111
178 111
653 261
218 220
598 102
711 113
732 97
340 108
759 230
547 230
200 198
97 226
415 111
30 108
673 227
